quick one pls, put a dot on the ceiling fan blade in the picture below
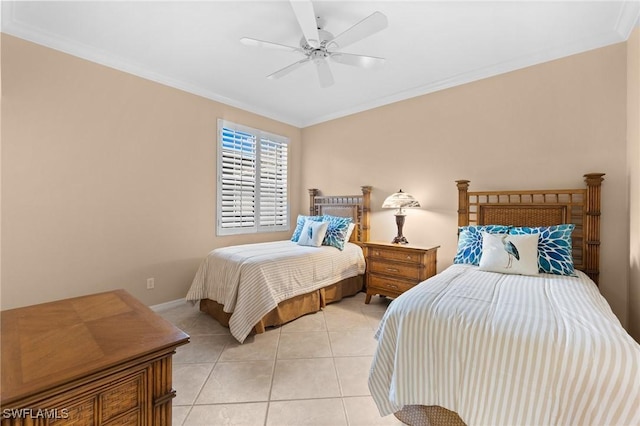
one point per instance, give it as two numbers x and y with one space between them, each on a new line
286 70
368 26
358 60
307 20
325 76
268 44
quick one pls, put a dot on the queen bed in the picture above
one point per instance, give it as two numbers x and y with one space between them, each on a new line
484 342
254 286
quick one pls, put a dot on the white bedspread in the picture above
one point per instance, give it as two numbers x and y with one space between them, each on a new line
507 350
250 280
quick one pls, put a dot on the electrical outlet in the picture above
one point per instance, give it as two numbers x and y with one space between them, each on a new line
150 284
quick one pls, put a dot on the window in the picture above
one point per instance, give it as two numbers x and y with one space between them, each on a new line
252 180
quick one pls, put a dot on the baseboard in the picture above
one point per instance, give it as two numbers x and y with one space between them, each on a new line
168 305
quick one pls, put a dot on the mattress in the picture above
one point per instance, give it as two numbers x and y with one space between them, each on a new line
507 349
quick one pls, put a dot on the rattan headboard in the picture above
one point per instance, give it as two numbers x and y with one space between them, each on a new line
542 208
357 207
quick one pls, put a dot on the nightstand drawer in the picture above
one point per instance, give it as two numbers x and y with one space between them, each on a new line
397 270
388 285
392 254
393 269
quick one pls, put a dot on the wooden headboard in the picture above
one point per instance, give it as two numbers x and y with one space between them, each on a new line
542 208
357 207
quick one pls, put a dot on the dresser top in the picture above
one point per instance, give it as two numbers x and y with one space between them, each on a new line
400 246
52 344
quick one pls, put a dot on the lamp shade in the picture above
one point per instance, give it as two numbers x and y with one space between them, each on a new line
400 200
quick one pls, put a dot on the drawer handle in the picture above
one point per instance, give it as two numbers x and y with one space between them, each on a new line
377 253
393 269
409 256
393 286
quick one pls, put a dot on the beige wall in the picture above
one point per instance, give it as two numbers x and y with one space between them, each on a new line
107 179
539 127
633 141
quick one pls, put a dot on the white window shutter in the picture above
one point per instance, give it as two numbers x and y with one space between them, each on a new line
273 185
252 181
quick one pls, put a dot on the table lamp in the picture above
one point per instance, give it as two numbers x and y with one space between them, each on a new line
400 200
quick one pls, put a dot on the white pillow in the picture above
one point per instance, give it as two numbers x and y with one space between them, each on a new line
313 233
510 254
352 226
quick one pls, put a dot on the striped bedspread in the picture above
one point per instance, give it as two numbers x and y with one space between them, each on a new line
507 350
251 279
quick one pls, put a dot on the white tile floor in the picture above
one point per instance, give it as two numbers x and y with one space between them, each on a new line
312 371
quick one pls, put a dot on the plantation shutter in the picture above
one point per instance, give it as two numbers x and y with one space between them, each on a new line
273 184
252 180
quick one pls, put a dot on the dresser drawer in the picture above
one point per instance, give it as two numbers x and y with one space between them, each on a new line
80 413
121 398
393 254
390 285
397 270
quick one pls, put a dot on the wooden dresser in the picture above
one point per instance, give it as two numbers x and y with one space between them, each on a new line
103 359
393 269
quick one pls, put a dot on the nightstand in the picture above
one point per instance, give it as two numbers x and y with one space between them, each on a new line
393 269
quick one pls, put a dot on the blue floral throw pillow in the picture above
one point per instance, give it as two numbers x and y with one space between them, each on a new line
554 247
470 242
300 224
337 231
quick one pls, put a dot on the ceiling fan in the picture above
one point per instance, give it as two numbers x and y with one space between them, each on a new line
318 45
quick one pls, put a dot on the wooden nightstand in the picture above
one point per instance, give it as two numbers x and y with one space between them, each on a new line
393 269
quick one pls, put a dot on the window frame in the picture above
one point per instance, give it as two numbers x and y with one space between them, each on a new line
260 137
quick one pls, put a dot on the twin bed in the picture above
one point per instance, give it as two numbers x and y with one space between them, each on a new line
475 344
254 286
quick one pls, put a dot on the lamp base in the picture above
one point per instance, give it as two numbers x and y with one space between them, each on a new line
400 239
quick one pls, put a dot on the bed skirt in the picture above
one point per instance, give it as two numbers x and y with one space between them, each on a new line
293 308
433 415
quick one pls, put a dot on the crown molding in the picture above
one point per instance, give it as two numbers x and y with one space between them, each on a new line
628 18
534 58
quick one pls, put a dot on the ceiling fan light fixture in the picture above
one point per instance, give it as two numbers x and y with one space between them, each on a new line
319 45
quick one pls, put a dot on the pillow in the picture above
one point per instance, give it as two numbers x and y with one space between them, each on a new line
300 224
336 231
510 254
313 233
470 242
352 226
554 247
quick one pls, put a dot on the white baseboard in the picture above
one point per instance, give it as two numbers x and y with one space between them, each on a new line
168 305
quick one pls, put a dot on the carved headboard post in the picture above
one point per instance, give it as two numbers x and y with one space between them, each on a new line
463 202
366 208
312 201
592 225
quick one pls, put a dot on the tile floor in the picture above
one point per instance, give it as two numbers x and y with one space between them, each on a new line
312 371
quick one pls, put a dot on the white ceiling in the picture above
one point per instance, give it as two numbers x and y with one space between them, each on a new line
428 45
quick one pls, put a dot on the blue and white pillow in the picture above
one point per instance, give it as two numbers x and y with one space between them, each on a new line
313 233
470 242
509 254
554 247
336 231
300 224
